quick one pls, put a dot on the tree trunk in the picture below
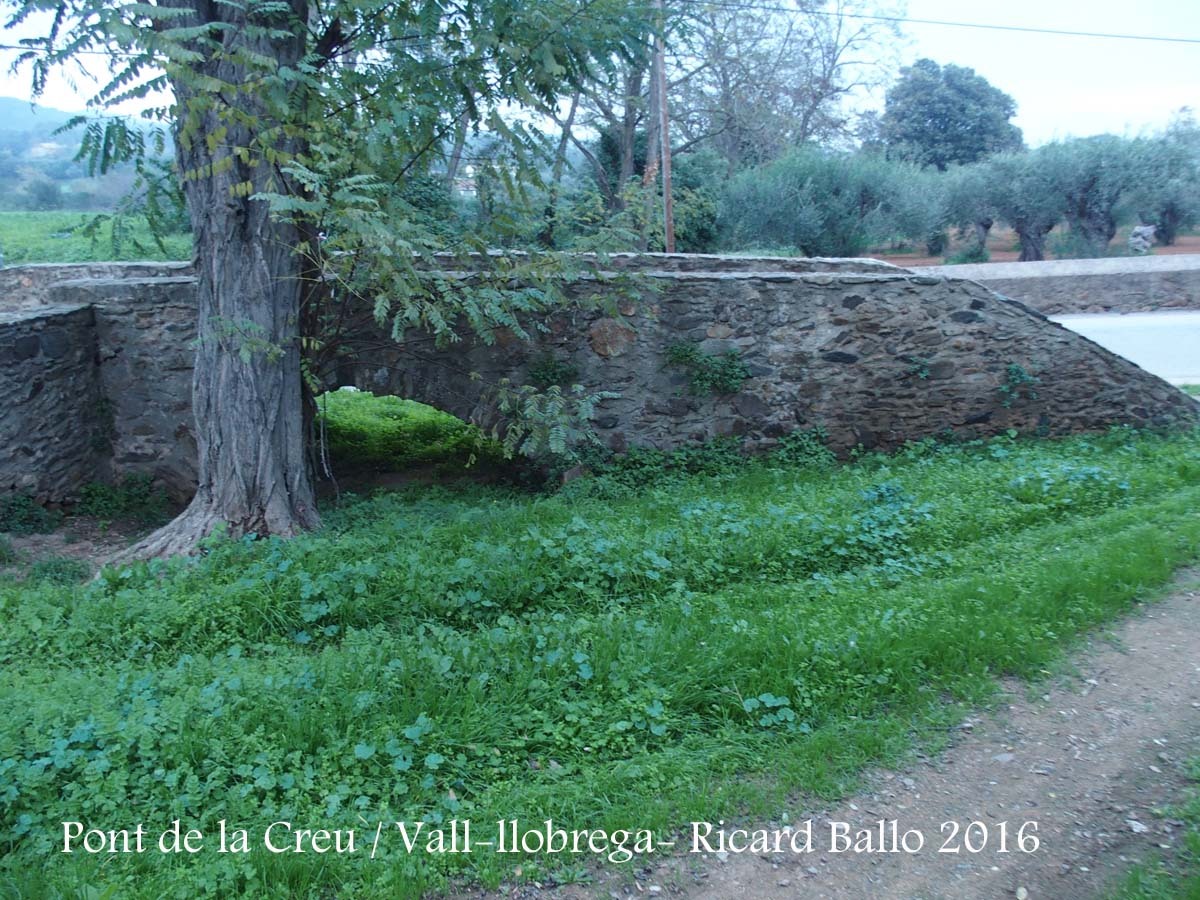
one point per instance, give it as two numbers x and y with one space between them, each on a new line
1096 228
632 100
246 395
550 216
1166 229
460 142
1033 242
650 172
982 228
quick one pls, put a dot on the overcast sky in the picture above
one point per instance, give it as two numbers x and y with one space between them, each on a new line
1072 86
1064 86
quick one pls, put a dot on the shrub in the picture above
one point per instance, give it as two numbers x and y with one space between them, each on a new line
721 373
830 204
133 498
59 570
805 448
973 253
389 433
624 475
21 514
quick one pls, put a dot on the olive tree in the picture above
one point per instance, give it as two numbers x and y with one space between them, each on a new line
969 203
830 204
1024 192
1165 188
1090 175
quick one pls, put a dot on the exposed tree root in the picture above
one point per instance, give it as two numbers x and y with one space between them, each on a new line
183 534
179 537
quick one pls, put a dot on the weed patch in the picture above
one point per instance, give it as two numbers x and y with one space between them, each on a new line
671 638
59 570
20 514
721 373
133 499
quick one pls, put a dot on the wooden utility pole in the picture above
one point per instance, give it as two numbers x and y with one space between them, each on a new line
664 129
653 154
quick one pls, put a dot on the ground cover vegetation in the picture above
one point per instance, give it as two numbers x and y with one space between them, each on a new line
69 237
672 637
388 434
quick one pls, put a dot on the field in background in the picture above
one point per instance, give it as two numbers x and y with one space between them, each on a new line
56 237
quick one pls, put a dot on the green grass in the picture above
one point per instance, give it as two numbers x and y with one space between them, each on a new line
1193 389
1176 877
659 643
389 434
56 237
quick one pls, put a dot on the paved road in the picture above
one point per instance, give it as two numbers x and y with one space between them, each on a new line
1166 344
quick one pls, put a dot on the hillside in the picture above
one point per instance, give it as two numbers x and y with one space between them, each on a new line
18 115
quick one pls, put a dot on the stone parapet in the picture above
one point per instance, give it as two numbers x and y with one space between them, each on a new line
1119 284
97 370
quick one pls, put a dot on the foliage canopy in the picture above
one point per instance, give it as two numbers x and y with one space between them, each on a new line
945 115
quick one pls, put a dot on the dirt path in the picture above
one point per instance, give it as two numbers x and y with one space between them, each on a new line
1089 761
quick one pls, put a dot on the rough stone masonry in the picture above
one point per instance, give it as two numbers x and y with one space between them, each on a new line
96 369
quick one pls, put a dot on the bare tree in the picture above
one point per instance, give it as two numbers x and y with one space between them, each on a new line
752 81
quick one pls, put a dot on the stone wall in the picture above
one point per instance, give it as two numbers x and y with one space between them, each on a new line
97 369
145 328
28 287
51 435
1122 284
686 262
876 358
96 373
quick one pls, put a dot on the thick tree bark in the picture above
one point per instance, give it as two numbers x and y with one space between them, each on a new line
1166 229
1033 242
254 475
650 172
982 228
1096 228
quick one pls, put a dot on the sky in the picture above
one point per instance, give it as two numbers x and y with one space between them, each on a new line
1064 86
1072 86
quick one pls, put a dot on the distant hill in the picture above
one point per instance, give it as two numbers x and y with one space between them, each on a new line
19 115
28 137
38 168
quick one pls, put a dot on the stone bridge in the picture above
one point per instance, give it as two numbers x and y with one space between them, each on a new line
95 363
